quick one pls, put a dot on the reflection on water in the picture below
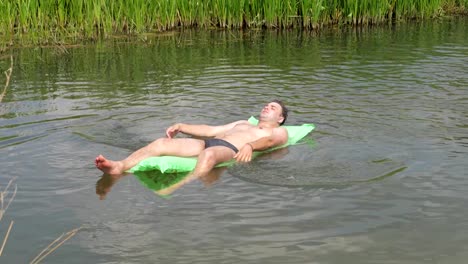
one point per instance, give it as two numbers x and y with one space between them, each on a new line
381 179
162 184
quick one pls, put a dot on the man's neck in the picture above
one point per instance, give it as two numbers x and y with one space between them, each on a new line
266 124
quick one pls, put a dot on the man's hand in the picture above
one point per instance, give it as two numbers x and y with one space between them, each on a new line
244 154
172 130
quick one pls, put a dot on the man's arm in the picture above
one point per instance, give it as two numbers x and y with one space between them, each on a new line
278 137
200 130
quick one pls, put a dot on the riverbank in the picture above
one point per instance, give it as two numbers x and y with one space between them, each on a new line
51 21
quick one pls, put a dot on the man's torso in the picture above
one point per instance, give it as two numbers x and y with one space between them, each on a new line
244 133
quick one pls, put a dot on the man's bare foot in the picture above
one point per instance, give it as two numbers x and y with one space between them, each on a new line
109 166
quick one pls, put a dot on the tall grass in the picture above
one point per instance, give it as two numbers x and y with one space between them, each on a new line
50 20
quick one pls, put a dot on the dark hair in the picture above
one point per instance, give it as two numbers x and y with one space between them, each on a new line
284 110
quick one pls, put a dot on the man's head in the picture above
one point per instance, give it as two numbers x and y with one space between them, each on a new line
275 111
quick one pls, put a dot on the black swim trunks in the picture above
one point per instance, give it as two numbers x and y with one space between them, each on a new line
213 142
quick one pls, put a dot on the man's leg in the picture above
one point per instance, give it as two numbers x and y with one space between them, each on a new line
210 157
207 160
182 147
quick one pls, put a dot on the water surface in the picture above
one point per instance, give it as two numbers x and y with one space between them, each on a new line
382 179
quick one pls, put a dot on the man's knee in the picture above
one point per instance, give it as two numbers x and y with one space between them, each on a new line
159 143
158 147
207 158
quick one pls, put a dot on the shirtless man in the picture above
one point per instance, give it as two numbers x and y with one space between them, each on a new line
235 140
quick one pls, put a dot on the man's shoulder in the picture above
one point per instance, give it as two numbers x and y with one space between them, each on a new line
281 128
280 135
281 131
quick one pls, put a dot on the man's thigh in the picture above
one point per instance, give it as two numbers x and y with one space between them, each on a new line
182 147
218 153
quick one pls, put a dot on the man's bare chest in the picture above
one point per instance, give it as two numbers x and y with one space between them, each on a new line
249 130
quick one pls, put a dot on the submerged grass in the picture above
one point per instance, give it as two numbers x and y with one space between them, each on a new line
8 73
5 195
63 20
54 245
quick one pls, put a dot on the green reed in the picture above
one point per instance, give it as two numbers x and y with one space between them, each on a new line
58 20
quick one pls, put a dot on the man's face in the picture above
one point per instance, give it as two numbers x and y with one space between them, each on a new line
272 112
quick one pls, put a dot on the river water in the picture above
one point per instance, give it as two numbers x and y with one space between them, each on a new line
382 179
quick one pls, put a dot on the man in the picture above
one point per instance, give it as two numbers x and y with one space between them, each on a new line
235 140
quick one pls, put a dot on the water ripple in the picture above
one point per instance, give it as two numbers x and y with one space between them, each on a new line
387 158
